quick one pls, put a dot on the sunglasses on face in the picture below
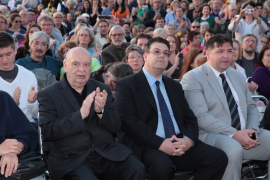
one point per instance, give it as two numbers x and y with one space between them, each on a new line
195 26
18 22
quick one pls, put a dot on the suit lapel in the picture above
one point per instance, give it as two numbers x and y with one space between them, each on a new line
213 81
146 90
68 95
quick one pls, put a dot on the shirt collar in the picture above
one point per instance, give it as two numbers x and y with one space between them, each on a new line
216 72
151 79
29 59
157 11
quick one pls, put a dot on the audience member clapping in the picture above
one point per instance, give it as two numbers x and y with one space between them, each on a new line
134 57
206 17
180 22
121 12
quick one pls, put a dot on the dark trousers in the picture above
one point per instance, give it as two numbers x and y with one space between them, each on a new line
97 167
206 161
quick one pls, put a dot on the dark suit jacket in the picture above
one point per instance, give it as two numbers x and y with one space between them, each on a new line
137 108
148 19
70 138
110 54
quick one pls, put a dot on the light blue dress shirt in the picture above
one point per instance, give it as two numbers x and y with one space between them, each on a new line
160 128
170 17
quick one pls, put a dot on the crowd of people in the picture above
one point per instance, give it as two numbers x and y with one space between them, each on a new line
129 89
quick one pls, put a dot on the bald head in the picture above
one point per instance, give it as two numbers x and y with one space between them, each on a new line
76 52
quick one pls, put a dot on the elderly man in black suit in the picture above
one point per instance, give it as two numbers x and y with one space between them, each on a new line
116 51
77 119
159 126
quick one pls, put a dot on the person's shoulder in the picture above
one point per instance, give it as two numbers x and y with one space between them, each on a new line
126 44
22 31
22 61
25 71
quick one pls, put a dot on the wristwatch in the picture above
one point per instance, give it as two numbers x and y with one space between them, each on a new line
100 112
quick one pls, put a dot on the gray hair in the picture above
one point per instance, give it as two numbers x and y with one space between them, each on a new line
247 35
119 70
23 8
58 14
24 11
2 7
204 23
140 26
80 19
159 32
39 34
77 28
45 17
45 12
132 48
71 2
265 3
116 27
91 34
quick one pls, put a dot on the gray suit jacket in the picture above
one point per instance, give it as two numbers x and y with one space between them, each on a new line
206 98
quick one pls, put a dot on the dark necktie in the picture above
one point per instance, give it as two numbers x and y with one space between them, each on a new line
231 103
165 114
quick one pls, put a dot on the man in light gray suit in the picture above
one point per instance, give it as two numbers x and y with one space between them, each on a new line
226 113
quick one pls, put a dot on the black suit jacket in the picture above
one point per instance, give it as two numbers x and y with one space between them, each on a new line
149 16
70 138
137 108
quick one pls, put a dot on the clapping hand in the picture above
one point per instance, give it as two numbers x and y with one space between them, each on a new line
100 100
17 95
32 95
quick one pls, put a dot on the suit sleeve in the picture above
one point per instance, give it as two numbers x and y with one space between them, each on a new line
133 127
198 104
53 128
106 58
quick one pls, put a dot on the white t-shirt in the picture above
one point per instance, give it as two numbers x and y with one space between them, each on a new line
25 79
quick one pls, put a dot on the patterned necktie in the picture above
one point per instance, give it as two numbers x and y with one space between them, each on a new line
166 117
231 103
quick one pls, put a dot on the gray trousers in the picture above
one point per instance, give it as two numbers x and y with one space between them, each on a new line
236 153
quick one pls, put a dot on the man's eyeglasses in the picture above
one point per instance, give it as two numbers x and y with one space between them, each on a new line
195 27
251 42
166 54
115 35
44 25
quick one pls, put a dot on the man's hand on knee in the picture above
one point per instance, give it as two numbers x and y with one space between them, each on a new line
167 146
9 164
181 145
244 138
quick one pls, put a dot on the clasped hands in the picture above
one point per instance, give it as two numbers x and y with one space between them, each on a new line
9 150
100 101
175 146
244 138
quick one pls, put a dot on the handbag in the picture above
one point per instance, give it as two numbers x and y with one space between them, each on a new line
30 165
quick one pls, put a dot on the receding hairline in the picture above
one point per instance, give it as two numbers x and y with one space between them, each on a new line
71 54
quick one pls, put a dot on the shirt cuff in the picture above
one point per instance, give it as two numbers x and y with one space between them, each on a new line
190 139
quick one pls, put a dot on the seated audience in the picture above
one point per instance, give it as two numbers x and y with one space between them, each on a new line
39 43
17 135
181 37
121 12
160 32
18 82
180 22
247 23
14 28
261 75
170 28
134 58
190 61
91 124
24 51
160 22
193 40
116 51
142 40
175 61
237 54
138 13
159 126
206 17
171 16
226 114
58 19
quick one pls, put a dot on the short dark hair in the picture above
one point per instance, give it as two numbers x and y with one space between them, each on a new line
32 10
209 30
103 20
260 57
6 40
206 5
128 23
146 36
160 18
217 41
252 3
119 70
156 40
191 35
147 30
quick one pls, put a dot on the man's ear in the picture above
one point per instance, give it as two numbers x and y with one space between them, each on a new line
145 57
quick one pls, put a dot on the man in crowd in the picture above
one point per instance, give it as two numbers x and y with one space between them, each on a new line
196 12
116 51
216 8
103 27
152 15
170 28
159 126
226 113
31 17
142 40
39 43
259 7
160 22
108 10
17 81
3 23
195 26
88 118
47 25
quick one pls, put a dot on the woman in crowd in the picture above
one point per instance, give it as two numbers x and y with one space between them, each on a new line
174 64
237 54
171 16
96 11
121 12
193 40
185 5
264 13
248 23
181 37
14 29
138 13
86 38
261 75
58 19
206 17
104 4
180 22
24 51
203 27
190 60
87 8
160 32
264 40
134 57
208 34
133 29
